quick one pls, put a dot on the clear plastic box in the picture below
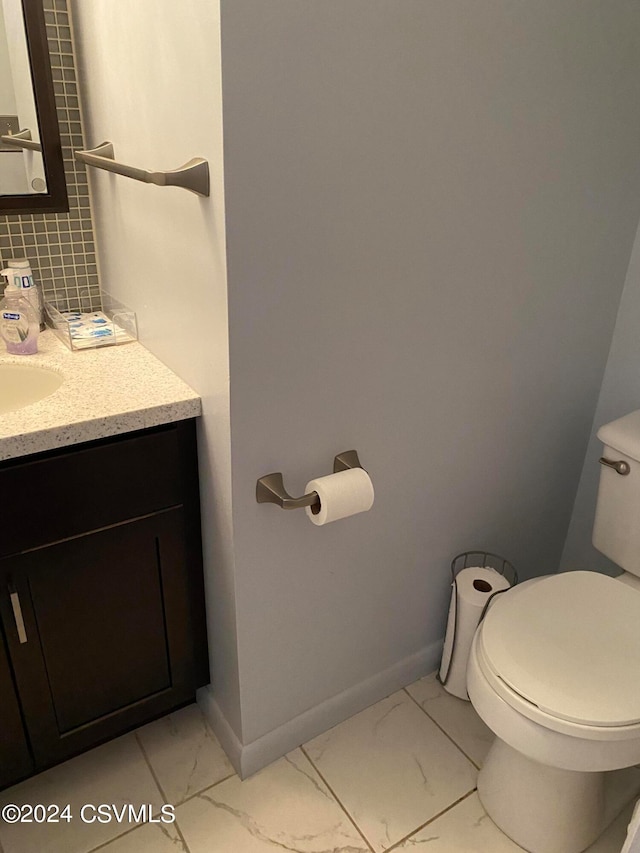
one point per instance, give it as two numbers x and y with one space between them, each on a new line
80 328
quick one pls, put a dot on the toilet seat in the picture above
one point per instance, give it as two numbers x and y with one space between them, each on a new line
565 652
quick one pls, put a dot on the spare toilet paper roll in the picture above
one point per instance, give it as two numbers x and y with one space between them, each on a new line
470 591
342 494
632 842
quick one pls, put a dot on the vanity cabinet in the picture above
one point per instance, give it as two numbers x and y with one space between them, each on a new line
15 758
101 593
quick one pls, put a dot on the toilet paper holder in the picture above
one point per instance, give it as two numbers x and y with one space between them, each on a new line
270 489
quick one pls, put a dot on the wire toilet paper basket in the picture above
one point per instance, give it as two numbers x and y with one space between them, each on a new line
455 653
490 561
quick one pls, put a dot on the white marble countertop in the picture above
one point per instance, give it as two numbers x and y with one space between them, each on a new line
106 391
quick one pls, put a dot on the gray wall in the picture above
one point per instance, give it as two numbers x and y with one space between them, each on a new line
620 394
430 211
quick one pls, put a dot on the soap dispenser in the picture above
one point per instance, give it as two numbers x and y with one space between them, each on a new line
19 272
19 326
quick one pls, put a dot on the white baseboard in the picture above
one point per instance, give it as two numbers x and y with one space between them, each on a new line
251 757
228 739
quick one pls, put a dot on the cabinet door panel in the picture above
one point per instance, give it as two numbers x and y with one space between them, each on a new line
107 627
98 604
15 758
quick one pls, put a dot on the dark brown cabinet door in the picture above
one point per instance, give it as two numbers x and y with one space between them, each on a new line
15 758
107 630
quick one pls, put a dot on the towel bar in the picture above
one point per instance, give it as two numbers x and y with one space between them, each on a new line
22 139
192 176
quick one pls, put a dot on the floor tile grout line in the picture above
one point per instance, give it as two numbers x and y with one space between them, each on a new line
116 838
164 796
161 789
206 788
436 723
397 844
133 828
130 832
337 799
151 770
181 836
138 825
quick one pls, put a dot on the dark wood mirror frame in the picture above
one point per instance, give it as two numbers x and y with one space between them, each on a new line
55 200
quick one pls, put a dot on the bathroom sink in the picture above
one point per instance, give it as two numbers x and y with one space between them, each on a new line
21 385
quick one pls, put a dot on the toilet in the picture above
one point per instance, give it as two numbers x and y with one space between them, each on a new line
554 672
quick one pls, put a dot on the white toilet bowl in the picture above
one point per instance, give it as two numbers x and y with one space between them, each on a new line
553 672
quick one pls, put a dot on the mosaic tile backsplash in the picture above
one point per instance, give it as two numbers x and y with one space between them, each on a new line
60 246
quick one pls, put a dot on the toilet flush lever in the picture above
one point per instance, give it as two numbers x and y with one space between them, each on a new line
618 465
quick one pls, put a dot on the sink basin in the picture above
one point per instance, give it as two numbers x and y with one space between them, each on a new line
21 385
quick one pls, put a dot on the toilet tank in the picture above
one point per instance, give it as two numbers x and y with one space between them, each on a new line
616 529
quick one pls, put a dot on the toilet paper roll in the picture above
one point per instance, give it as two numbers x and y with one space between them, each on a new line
342 494
470 591
632 842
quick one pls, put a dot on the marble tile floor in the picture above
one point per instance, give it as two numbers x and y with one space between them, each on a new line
398 776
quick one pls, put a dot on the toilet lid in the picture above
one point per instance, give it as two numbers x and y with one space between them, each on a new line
570 644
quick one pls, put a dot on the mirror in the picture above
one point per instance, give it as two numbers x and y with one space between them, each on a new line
31 167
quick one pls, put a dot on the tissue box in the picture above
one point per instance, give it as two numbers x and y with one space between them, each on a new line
83 329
